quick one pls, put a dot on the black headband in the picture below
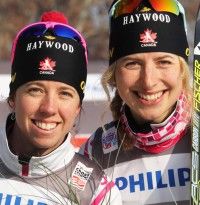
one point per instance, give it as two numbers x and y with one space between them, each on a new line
147 32
46 58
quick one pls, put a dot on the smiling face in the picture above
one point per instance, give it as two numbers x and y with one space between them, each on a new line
150 84
45 112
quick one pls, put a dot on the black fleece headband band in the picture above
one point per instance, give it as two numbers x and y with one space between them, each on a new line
147 32
49 58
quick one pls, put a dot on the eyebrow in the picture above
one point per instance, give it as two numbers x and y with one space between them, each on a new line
33 83
67 88
127 58
165 56
136 57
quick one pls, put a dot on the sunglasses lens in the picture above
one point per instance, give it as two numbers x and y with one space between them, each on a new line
58 30
63 31
165 5
128 6
36 30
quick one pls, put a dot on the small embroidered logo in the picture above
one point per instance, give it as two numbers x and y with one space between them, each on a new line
50 37
148 37
111 51
80 176
109 141
145 9
47 66
13 77
82 85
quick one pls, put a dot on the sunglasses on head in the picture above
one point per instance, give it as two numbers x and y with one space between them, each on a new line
58 29
128 6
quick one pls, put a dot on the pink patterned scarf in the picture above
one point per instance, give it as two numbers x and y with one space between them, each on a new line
161 136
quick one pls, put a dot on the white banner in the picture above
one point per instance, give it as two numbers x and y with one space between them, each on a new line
93 91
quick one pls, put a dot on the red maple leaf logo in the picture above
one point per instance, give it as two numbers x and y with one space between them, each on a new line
47 64
148 37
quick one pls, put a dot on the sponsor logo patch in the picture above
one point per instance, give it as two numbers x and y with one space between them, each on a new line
80 176
109 141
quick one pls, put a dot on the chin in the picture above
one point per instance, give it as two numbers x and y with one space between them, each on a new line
151 119
43 144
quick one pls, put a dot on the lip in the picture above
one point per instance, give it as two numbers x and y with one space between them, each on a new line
150 98
46 126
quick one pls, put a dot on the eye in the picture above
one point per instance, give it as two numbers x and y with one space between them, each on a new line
35 90
132 65
66 94
165 63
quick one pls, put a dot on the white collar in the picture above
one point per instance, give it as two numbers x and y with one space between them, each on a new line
38 166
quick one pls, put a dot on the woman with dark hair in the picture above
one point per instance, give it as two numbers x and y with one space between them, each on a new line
38 164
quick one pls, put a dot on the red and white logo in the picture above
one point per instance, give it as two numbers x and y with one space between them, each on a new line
80 176
148 38
109 141
47 66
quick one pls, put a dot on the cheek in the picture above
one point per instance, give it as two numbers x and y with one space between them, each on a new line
25 106
125 78
174 79
69 112
69 118
23 111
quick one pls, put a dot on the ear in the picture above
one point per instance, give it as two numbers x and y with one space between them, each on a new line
78 110
11 103
11 100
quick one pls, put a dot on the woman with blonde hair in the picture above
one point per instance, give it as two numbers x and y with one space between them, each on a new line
146 149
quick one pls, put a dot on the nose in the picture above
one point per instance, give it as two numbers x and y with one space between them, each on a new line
149 76
48 105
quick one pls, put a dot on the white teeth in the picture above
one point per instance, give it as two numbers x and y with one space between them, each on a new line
45 126
152 97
